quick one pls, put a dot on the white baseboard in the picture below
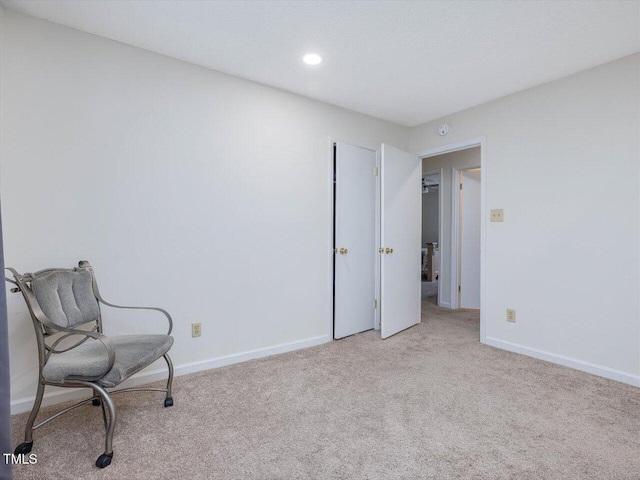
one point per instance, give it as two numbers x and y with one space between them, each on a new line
60 395
445 304
587 367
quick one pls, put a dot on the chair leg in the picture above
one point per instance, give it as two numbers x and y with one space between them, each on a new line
96 400
104 416
105 459
26 446
168 401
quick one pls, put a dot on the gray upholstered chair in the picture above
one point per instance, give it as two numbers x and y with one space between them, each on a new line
59 301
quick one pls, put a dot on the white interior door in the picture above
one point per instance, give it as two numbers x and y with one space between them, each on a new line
470 239
401 232
355 241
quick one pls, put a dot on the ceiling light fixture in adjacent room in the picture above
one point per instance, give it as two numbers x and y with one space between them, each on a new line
312 59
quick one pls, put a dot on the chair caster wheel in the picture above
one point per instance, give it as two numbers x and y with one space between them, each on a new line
104 460
23 448
168 402
96 402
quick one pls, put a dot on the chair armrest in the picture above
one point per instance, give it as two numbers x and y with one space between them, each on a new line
164 312
69 332
84 265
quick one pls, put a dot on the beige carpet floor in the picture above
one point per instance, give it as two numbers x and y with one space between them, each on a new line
430 292
430 402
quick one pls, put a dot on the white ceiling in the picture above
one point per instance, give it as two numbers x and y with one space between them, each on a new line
407 62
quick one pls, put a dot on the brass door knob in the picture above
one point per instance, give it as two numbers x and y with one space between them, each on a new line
343 251
388 250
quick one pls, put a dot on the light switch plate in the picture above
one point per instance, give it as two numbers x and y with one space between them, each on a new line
497 215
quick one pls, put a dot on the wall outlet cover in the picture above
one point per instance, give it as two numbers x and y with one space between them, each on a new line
497 215
196 330
511 315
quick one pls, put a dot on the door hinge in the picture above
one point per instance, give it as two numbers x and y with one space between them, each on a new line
459 288
375 171
375 303
460 186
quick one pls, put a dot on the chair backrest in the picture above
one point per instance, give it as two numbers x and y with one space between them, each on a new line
58 297
66 296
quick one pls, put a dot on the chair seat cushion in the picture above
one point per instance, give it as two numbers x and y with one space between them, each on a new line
133 353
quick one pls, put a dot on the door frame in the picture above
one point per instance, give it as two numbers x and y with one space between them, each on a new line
484 217
454 250
330 253
440 172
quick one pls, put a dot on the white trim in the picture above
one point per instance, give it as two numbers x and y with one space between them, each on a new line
463 145
484 218
146 376
377 325
453 147
454 251
587 367
381 238
330 246
445 304
440 229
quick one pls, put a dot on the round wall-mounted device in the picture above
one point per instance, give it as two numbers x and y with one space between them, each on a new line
443 129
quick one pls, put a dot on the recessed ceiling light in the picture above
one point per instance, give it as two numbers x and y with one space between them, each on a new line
312 59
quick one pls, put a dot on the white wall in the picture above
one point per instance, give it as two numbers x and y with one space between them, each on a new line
187 189
208 195
461 160
564 259
430 212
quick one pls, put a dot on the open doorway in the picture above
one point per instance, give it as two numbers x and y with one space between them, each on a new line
430 236
398 181
458 255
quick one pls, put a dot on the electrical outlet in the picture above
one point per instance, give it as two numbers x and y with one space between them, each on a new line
497 215
196 330
511 315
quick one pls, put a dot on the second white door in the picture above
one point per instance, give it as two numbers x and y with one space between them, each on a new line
470 239
355 240
401 232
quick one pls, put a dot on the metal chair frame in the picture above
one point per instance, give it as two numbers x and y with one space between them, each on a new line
45 329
